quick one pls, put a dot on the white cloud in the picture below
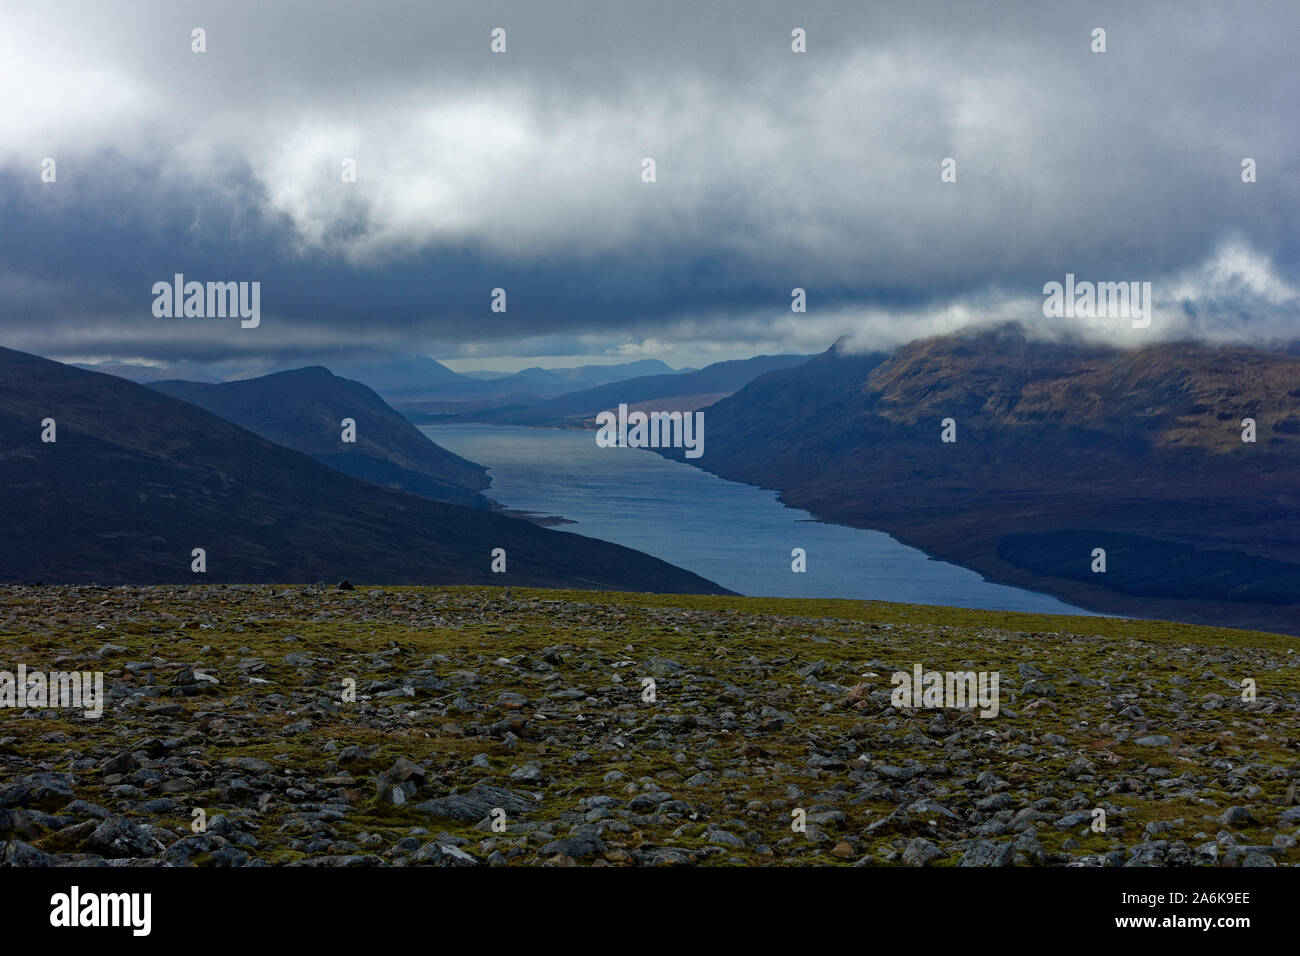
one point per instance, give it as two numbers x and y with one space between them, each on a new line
774 170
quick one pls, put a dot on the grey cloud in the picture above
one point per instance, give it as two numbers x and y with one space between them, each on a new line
522 171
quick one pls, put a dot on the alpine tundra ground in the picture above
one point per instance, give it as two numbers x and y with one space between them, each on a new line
478 709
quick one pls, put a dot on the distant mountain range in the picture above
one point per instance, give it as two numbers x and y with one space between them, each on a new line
424 379
1060 449
138 372
585 376
698 388
303 410
582 376
423 384
137 479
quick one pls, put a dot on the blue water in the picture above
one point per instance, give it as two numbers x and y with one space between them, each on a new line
736 535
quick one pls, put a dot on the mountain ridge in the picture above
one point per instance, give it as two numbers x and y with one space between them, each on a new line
303 409
572 407
137 479
1141 449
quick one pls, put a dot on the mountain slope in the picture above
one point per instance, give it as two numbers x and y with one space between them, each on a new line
303 410
720 378
589 376
423 380
384 376
137 479
1060 449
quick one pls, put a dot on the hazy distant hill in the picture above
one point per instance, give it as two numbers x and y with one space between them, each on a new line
721 378
137 479
396 374
303 409
421 387
589 376
418 382
145 374
1060 449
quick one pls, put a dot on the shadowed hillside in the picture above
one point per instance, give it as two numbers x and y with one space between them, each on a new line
303 409
720 378
137 479
1060 449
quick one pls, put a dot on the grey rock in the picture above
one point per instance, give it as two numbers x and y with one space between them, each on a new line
921 851
1076 819
530 772
662 667
479 802
1235 815
119 837
1258 859
647 801
578 846
443 854
1148 854
18 853
998 801
248 764
724 838
988 853
1080 766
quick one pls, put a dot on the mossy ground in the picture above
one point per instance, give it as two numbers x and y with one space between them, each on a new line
736 654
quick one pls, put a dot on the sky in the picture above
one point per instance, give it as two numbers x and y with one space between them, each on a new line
523 170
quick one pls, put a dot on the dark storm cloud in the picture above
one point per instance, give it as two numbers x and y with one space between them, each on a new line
522 171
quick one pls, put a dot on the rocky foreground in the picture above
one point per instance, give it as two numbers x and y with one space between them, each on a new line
512 728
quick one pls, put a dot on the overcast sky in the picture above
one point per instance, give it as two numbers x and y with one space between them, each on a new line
522 170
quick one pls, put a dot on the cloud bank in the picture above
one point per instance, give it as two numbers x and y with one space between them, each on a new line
523 170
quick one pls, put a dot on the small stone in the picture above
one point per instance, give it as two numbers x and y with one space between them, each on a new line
921 851
248 764
443 854
1235 815
988 853
576 847
530 772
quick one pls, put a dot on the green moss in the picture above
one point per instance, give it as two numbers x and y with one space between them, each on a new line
715 633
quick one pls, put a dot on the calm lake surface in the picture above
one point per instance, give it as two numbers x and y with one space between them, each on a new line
734 534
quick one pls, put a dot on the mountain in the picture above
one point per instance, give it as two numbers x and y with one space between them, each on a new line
422 388
137 479
145 374
589 376
382 375
303 410
397 374
681 391
427 391
1061 449
434 381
